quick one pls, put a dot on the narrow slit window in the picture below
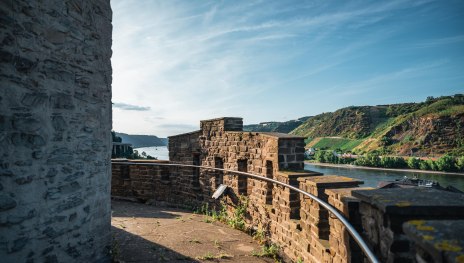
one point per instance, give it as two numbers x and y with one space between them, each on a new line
270 186
242 179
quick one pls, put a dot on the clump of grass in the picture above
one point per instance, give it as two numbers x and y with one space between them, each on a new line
271 251
260 236
207 256
237 220
211 256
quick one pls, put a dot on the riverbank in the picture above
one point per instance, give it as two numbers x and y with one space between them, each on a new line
350 166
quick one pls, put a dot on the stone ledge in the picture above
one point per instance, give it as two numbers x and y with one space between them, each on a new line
301 175
282 135
331 180
441 240
138 161
414 201
184 134
346 194
223 118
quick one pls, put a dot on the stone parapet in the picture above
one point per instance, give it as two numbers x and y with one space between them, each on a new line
215 127
313 236
302 228
436 241
383 212
316 218
343 247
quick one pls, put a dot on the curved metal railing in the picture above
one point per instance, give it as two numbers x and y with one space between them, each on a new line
369 254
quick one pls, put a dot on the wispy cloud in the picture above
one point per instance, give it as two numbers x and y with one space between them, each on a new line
124 106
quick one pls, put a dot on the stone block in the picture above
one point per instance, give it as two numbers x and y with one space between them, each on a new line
436 240
414 201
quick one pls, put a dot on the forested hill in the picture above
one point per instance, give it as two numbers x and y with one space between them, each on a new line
138 141
274 126
435 126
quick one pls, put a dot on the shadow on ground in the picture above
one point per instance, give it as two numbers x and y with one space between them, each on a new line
146 233
128 247
121 209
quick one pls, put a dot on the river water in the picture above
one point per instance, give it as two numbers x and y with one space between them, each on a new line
371 178
160 152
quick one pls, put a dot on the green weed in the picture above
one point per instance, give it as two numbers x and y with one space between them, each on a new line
271 251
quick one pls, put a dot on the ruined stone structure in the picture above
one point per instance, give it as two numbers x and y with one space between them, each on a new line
119 149
299 226
55 122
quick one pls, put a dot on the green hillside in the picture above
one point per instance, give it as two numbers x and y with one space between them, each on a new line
435 126
333 143
274 126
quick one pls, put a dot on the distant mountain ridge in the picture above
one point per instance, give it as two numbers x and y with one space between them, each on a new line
138 141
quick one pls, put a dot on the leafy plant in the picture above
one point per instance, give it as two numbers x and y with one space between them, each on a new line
260 236
237 221
271 251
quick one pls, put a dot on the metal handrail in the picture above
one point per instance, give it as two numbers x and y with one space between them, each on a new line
369 254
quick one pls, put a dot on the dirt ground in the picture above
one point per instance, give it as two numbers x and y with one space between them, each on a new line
145 233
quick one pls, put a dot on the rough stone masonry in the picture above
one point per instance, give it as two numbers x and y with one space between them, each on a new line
303 230
55 122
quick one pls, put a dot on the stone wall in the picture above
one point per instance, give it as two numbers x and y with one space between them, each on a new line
142 182
385 211
343 247
296 224
55 122
303 230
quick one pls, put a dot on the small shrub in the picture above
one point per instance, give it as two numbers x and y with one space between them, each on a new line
271 251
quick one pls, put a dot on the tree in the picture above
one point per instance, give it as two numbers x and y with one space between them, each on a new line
373 159
414 163
319 156
424 165
460 163
430 99
115 138
446 163
432 165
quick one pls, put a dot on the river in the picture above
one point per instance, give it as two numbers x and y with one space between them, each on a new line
373 177
160 152
370 177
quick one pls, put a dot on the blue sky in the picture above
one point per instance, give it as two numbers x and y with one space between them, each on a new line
178 62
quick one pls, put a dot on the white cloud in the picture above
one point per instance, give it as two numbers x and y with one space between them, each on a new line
124 106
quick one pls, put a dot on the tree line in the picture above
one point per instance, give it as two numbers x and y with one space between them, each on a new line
446 163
